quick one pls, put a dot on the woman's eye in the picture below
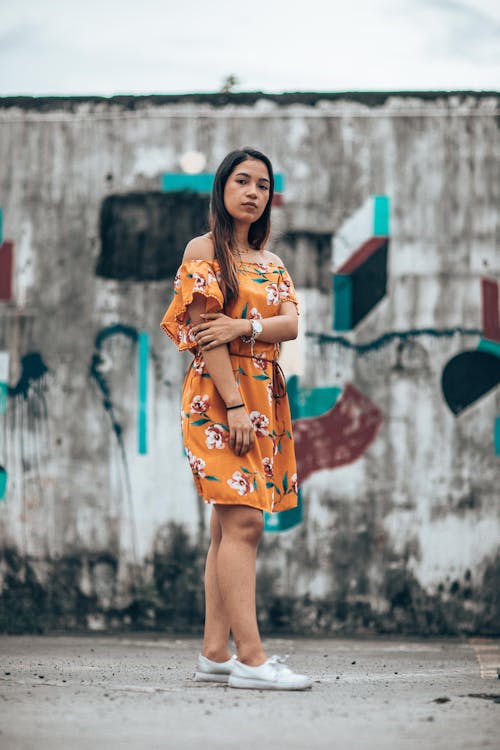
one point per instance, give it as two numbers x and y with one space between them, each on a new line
264 187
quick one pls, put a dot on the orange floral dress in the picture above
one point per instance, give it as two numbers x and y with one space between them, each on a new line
266 476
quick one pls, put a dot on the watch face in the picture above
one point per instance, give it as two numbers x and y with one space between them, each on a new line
257 326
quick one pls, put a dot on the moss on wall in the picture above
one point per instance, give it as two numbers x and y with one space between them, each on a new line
172 599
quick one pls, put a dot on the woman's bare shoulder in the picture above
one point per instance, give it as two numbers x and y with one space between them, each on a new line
199 248
273 258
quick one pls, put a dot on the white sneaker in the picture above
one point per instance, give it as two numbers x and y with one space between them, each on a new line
213 671
272 675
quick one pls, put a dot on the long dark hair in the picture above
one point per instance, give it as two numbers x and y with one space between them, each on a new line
222 225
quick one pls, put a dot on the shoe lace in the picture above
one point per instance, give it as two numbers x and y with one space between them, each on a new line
279 661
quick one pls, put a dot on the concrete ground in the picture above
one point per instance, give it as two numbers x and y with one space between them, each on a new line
135 691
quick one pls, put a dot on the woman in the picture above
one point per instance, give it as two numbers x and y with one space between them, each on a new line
233 303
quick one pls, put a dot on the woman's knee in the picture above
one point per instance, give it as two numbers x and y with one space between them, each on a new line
242 522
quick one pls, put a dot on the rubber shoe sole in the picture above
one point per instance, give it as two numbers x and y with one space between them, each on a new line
210 677
250 684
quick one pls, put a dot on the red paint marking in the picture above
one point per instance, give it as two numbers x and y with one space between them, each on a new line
338 437
277 199
6 266
362 254
490 309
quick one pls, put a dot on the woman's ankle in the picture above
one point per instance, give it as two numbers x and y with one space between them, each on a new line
252 658
219 654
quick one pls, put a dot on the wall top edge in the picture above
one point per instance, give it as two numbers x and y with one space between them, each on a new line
47 104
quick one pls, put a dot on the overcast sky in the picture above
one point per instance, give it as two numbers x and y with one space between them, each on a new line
160 46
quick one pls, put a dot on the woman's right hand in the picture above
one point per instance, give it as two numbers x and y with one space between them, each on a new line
241 432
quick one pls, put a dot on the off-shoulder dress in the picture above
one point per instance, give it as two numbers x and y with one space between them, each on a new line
266 476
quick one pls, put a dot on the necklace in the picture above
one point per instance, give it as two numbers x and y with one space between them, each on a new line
249 250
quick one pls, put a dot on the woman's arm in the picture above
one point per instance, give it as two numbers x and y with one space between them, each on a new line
220 369
217 328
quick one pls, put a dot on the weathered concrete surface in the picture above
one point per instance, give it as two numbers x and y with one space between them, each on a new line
131 691
403 540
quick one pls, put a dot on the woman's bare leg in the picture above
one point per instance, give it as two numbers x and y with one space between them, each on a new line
242 528
216 621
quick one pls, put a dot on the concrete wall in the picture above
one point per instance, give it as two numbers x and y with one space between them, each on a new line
96 533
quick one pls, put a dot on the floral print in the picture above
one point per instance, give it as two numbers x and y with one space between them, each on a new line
266 476
198 364
200 282
284 290
268 466
260 423
200 404
217 437
259 361
269 391
241 483
272 293
197 464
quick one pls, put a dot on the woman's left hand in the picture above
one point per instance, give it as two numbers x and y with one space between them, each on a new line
215 330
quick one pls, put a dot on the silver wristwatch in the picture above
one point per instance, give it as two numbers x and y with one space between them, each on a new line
256 329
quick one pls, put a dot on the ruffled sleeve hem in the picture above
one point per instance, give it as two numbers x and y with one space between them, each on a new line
193 277
286 289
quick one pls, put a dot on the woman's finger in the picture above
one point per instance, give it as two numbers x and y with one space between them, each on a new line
238 443
246 443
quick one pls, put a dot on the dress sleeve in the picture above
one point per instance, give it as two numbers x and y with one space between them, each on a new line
286 289
193 277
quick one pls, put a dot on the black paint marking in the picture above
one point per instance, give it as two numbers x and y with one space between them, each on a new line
382 341
98 376
469 376
33 370
495 697
118 329
28 428
143 235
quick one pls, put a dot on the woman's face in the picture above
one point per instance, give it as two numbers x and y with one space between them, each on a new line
246 192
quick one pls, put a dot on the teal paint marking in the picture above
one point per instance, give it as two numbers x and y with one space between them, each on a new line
315 401
3 483
342 302
304 402
486 345
496 436
279 183
142 379
173 182
380 216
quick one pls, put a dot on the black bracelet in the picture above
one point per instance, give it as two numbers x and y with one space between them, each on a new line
228 408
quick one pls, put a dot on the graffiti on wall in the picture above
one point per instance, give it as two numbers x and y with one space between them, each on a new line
360 280
6 265
143 234
338 437
25 444
98 372
471 374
